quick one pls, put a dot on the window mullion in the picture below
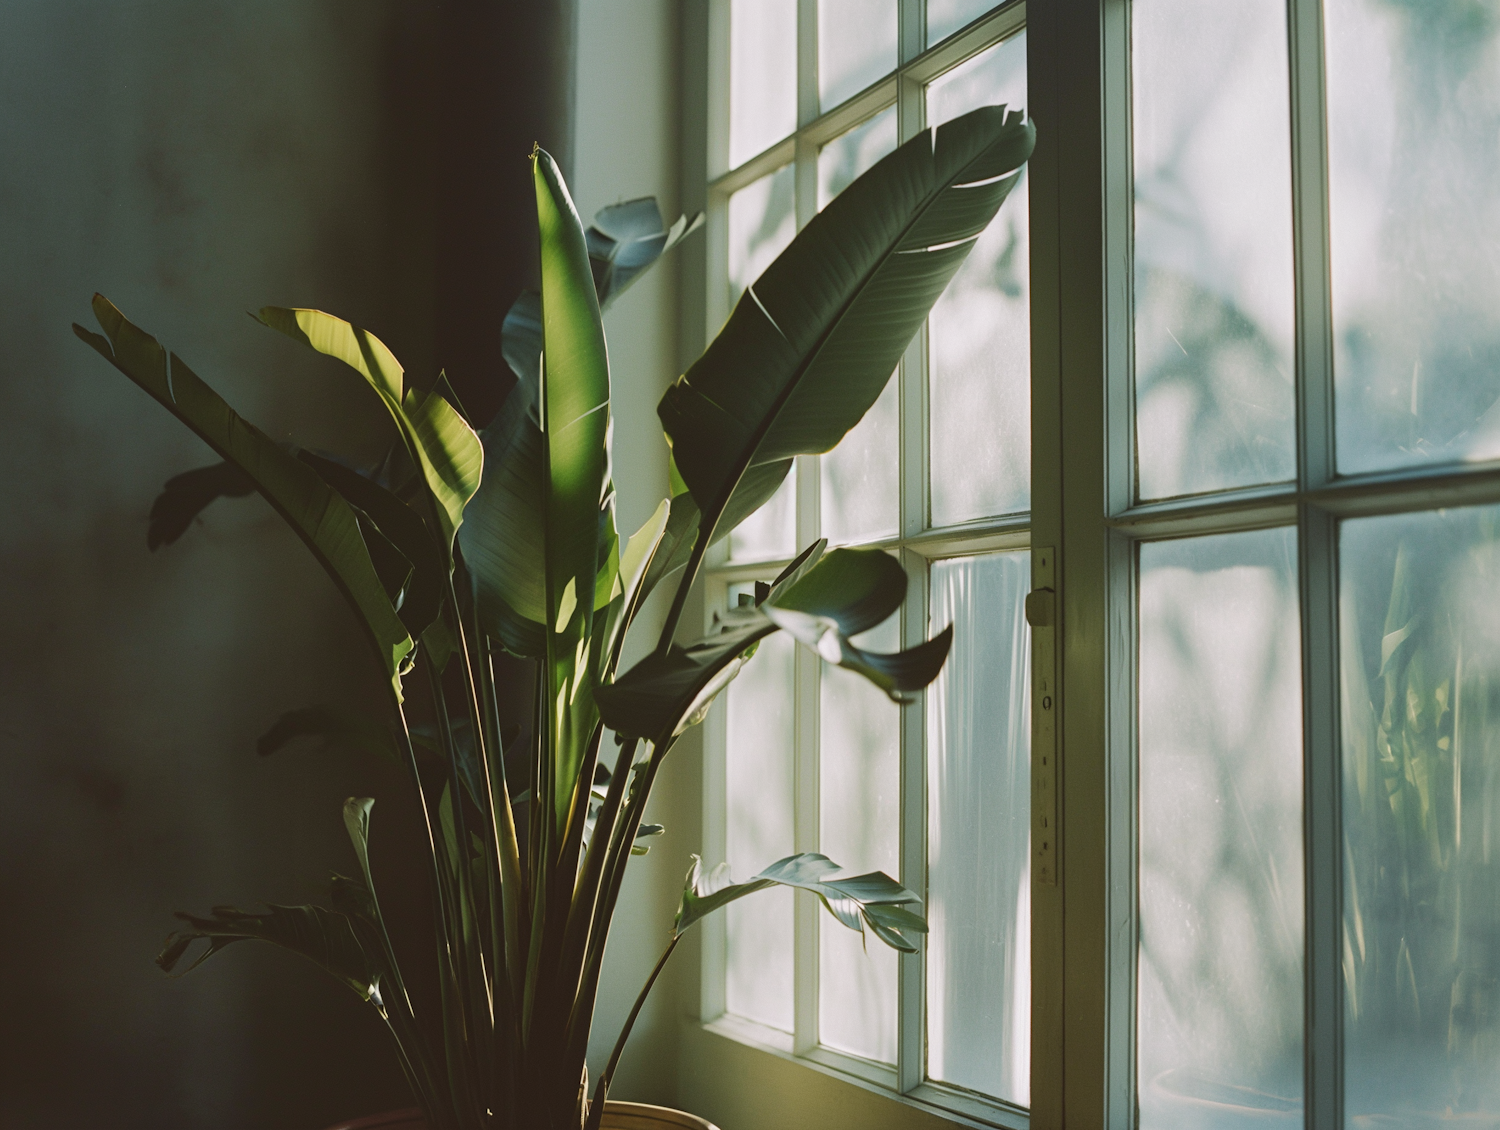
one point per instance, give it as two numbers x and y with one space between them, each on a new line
1318 551
911 1067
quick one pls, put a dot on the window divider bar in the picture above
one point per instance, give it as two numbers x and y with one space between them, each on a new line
807 62
1314 332
1323 1063
715 959
911 975
912 32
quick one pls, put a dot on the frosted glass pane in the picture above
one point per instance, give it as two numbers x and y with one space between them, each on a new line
1421 725
860 477
1213 246
979 394
850 154
1413 118
856 46
1219 1008
944 17
758 776
771 532
979 830
762 75
762 222
860 780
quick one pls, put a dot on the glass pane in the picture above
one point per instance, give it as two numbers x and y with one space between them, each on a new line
979 830
759 779
1413 117
856 46
850 154
860 479
1213 246
859 756
762 221
770 533
979 351
1421 725
944 17
762 75
1220 964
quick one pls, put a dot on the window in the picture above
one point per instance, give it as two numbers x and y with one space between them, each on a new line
1257 458
1304 376
802 756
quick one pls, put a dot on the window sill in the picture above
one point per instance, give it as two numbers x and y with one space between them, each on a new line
960 1108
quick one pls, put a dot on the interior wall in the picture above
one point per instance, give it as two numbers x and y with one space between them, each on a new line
626 145
194 159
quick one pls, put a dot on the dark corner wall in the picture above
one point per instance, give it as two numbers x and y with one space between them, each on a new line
193 159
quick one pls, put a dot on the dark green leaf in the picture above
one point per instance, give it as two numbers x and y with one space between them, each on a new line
663 694
325 937
502 536
319 515
405 529
811 344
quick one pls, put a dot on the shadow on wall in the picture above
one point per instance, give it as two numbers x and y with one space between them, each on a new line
194 161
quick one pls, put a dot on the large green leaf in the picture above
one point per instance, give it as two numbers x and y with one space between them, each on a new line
813 341
406 531
873 899
578 497
848 590
327 937
503 538
574 396
321 518
444 447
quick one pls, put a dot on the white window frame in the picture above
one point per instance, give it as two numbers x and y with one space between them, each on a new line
916 546
1084 926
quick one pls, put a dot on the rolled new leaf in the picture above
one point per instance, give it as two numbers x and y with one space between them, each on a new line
811 344
873 900
318 514
577 497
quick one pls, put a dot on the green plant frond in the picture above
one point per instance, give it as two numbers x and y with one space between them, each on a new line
818 600
857 901
813 341
443 446
327 524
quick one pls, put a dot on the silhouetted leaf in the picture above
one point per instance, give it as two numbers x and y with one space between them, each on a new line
317 513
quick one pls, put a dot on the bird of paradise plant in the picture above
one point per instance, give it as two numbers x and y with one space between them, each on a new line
462 544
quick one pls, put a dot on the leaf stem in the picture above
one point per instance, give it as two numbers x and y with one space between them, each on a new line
601 1092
